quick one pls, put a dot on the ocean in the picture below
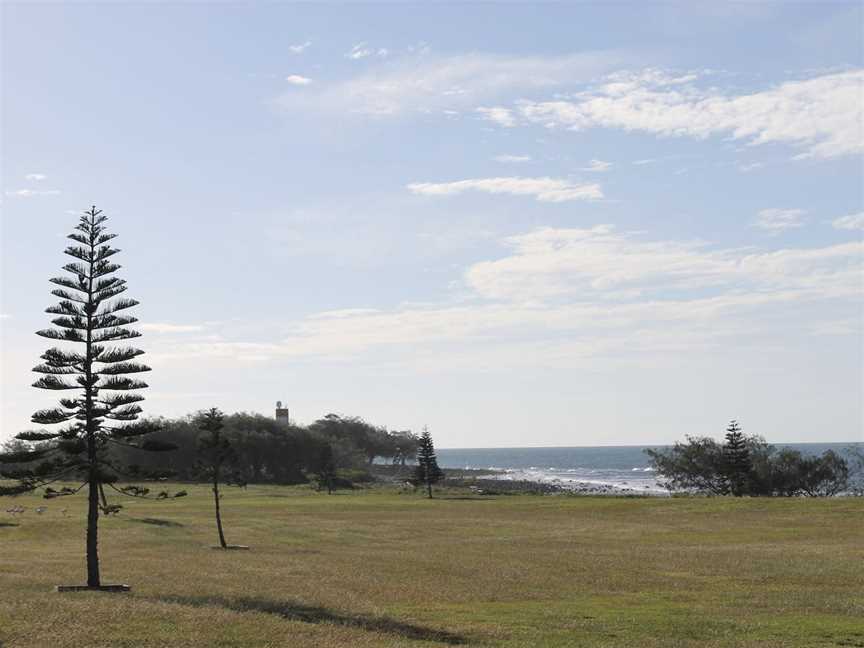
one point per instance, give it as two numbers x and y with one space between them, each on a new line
622 467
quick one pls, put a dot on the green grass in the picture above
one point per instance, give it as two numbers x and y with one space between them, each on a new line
376 568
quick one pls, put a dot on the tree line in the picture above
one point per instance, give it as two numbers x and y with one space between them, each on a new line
267 451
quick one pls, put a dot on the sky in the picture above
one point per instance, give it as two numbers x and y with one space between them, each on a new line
518 224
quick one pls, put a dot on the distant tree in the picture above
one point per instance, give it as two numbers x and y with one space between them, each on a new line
825 475
87 314
215 456
324 469
427 471
702 465
856 468
405 446
736 461
695 465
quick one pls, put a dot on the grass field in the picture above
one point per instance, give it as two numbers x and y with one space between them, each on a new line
376 568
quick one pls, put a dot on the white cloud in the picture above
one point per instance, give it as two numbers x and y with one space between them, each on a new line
166 327
29 193
562 297
598 166
501 116
296 79
566 297
344 312
35 177
512 158
542 189
822 116
362 50
299 48
602 263
745 168
778 220
850 222
421 83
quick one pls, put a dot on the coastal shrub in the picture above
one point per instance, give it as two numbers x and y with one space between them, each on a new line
702 465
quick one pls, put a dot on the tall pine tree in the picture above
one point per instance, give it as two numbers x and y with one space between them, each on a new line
103 406
736 461
427 471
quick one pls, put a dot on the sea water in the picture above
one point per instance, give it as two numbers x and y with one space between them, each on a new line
621 467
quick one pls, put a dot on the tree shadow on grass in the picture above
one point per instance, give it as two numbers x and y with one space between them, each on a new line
155 522
8 524
296 611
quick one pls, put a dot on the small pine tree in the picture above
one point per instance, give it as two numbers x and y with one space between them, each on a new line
215 455
427 470
736 461
87 314
325 467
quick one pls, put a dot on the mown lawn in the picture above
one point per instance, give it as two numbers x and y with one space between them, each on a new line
376 568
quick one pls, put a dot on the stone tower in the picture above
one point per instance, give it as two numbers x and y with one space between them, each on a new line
281 413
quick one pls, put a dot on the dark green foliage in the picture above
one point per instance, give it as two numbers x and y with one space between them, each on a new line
703 465
324 469
354 439
427 471
736 461
92 416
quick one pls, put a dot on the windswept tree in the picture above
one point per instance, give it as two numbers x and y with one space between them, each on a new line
736 461
103 404
427 471
216 458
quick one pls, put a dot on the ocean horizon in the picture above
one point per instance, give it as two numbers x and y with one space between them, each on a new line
621 467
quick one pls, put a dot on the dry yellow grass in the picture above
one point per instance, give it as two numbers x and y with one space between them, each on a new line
380 569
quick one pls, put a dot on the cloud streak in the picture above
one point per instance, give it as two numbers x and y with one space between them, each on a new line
424 83
776 220
821 116
541 189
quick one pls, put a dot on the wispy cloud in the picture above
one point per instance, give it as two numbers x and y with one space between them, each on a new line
561 296
850 222
167 327
296 79
598 166
777 220
299 48
421 82
29 193
752 166
542 189
501 116
35 177
822 116
605 263
363 50
512 159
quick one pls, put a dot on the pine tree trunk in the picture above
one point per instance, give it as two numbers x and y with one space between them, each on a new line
93 579
429 488
222 542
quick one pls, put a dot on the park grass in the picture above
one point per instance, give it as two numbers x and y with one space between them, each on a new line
379 568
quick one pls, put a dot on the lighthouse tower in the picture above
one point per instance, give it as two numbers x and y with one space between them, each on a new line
281 413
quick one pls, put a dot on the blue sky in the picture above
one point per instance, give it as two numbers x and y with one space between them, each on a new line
517 224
